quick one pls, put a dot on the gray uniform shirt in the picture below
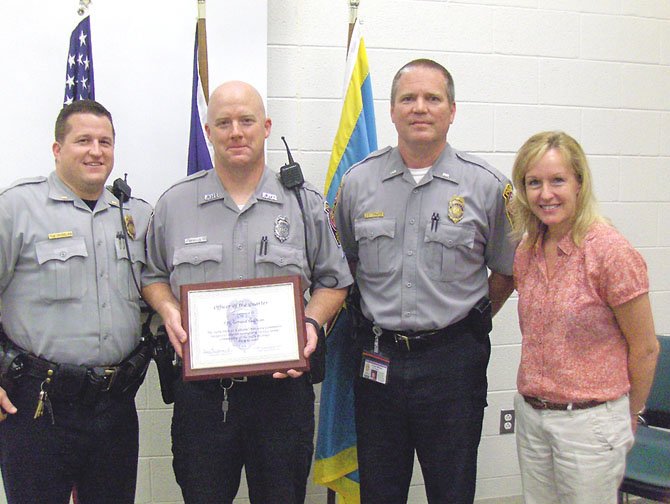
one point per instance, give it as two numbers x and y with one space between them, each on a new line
198 234
66 289
422 249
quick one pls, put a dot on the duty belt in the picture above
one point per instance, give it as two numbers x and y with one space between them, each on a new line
74 382
413 341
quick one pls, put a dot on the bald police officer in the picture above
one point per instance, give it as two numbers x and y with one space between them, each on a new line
71 360
421 223
237 222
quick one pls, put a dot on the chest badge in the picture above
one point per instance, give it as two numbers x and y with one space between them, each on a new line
282 228
456 209
130 225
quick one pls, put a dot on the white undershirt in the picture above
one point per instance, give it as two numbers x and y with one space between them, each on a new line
419 173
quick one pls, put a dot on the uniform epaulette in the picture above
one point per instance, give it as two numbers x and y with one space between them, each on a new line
477 161
192 176
312 188
24 181
372 155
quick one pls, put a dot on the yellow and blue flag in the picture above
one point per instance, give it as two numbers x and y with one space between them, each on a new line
336 464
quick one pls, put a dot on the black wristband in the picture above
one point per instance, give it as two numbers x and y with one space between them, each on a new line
310 320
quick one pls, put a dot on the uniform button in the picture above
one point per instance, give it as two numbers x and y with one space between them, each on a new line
240 277
239 246
62 254
196 258
410 252
450 242
98 243
415 191
281 261
102 274
409 284
104 305
411 221
408 314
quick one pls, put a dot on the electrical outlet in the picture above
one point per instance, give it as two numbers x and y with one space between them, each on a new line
507 421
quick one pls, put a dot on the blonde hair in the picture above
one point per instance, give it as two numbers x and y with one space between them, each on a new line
586 213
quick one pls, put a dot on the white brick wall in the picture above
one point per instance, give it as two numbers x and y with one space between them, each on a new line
600 70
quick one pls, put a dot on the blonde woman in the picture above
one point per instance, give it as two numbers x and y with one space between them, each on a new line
589 347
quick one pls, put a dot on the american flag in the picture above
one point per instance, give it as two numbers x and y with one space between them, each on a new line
79 73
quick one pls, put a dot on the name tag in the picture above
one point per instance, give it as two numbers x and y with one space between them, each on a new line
62 234
373 215
195 239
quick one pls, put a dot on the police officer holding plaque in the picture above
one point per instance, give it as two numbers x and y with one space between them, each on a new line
422 222
240 222
71 257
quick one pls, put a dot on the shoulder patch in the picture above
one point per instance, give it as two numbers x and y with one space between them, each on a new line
24 181
507 194
331 221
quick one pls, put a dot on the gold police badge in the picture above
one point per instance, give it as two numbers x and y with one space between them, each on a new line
456 209
130 225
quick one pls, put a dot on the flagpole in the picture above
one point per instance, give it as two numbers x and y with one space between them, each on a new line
353 14
202 49
83 7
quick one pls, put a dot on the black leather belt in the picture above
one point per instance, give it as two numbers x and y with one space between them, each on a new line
69 381
414 341
541 404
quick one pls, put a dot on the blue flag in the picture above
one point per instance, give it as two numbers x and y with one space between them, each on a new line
199 157
79 74
336 464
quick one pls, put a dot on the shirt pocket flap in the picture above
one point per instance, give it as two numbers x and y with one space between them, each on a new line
374 228
60 250
196 254
452 236
281 256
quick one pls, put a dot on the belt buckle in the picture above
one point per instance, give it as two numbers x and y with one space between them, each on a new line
240 379
109 375
543 402
401 337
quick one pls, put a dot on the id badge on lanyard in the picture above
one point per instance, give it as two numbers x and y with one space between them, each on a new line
375 364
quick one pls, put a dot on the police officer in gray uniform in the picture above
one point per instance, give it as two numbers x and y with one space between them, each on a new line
238 221
71 360
421 223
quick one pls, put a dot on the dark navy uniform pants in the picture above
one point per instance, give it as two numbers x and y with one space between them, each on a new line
269 431
91 447
433 405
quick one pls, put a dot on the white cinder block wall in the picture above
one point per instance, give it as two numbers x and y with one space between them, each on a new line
598 69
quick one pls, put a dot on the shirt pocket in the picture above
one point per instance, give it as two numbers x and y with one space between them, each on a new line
280 260
375 245
447 250
197 263
138 258
62 263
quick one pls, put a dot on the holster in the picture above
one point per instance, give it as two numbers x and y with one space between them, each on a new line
481 317
164 355
317 361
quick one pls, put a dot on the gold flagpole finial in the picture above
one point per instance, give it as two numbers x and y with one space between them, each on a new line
353 10
83 7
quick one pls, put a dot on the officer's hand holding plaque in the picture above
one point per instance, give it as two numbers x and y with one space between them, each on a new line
243 328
